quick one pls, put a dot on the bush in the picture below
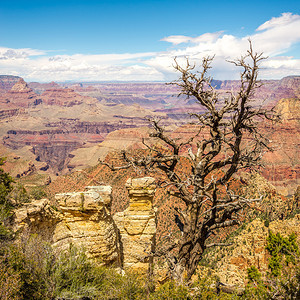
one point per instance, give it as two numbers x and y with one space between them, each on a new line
170 290
29 270
74 276
282 251
31 260
253 274
283 282
10 282
6 205
19 194
38 193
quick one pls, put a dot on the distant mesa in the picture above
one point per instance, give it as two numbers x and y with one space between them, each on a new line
65 97
39 88
25 95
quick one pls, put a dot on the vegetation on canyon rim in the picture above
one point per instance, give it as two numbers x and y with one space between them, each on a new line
226 141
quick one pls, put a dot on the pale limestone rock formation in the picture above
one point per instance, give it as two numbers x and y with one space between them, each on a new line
87 223
84 220
137 225
37 217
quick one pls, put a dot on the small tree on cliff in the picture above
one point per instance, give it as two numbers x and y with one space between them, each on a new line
226 140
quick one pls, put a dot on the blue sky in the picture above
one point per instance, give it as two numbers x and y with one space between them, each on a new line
137 40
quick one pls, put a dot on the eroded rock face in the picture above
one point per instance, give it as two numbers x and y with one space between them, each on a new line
65 97
87 223
84 220
20 95
7 82
137 225
37 217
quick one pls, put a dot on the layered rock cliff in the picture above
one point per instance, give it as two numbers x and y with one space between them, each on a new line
137 225
65 97
20 95
7 82
86 222
282 165
84 219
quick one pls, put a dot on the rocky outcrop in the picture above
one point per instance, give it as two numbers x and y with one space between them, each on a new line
87 222
137 225
37 217
289 109
84 219
8 113
7 82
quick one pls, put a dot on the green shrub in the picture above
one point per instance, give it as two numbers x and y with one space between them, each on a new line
5 183
170 290
6 205
282 251
10 282
253 274
129 286
38 193
19 194
32 260
74 276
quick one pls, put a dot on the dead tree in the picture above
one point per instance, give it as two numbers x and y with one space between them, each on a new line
232 142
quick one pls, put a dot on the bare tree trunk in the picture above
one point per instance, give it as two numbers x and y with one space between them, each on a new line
191 247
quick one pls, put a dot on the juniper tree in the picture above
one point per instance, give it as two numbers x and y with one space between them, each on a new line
231 141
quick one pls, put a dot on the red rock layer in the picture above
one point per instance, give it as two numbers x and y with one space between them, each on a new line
7 82
20 95
64 97
41 87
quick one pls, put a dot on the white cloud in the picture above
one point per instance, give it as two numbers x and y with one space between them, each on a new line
176 39
284 19
8 53
275 38
204 38
277 35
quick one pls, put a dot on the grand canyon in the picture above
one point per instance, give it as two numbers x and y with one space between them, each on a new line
149 150
52 129
54 134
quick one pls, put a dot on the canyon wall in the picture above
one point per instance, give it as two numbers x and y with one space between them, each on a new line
7 82
20 95
70 128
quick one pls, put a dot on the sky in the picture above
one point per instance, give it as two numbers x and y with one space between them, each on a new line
116 40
